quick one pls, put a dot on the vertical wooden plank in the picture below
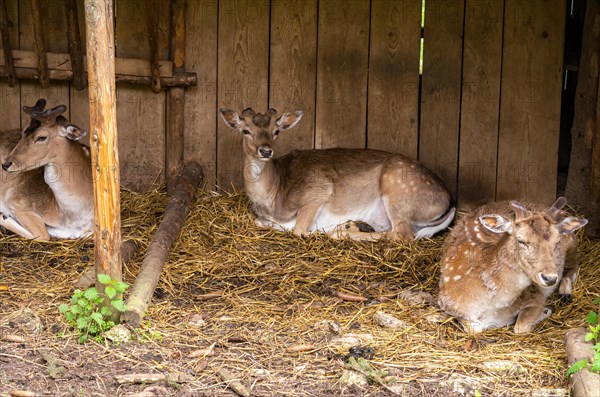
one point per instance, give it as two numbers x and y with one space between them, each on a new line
200 123
343 44
393 106
530 100
55 39
10 97
176 100
243 65
293 69
440 95
104 150
80 105
482 62
140 112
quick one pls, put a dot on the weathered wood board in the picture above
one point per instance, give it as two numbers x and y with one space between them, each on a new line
140 112
530 100
393 107
441 88
293 69
343 44
200 123
482 61
243 64
10 97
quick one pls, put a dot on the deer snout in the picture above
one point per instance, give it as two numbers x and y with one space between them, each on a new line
6 165
548 279
265 152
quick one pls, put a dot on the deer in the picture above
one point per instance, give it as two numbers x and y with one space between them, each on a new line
321 190
503 260
47 178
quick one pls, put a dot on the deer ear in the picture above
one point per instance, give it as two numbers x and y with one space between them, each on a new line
231 118
496 223
73 132
288 120
571 224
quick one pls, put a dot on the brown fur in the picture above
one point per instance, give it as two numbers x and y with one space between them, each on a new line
492 279
304 187
53 175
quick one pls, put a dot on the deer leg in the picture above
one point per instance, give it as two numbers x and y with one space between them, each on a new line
15 227
305 219
565 288
33 224
532 313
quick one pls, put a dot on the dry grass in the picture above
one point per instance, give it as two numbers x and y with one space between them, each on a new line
277 291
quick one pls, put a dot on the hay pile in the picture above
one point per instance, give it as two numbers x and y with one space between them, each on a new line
267 307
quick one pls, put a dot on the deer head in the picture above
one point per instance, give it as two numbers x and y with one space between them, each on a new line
532 238
40 141
260 130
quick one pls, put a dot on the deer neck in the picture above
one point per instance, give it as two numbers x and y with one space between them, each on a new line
71 179
510 276
261 180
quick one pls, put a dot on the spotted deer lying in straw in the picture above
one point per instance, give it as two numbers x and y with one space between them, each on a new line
47 186
503 260
319 190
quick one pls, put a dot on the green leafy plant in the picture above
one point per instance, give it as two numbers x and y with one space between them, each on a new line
91 312
593 336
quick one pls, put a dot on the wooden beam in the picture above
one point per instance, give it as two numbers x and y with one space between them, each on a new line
103 140
158 251
123 66
38 36
75 48
7 47
131 70
152 26
176 98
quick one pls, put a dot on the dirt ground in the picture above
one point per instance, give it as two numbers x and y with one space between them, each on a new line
268 310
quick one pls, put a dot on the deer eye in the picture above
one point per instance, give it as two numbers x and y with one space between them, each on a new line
276 132
246 132
41 138
523 244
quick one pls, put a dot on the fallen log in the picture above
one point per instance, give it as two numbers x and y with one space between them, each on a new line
158 251
583 383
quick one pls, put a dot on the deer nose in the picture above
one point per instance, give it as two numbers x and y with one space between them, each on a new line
265 152
6 166
548 280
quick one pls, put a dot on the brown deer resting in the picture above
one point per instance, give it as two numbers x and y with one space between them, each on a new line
47 186
503 260
319 190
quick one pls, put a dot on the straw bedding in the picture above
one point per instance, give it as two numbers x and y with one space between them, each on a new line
266 307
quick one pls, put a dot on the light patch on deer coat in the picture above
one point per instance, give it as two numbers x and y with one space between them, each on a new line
319 190
518 261
48 149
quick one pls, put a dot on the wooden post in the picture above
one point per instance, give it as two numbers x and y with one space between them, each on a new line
6 46
152 26
176 98
38 35
103 140
75 49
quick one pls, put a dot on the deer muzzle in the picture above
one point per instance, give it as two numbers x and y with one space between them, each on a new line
265 152
548 279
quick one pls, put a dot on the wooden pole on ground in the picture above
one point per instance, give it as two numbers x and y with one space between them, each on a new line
158 251
176 98
103 139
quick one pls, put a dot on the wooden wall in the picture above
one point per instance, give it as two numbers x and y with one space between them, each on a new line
484 114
